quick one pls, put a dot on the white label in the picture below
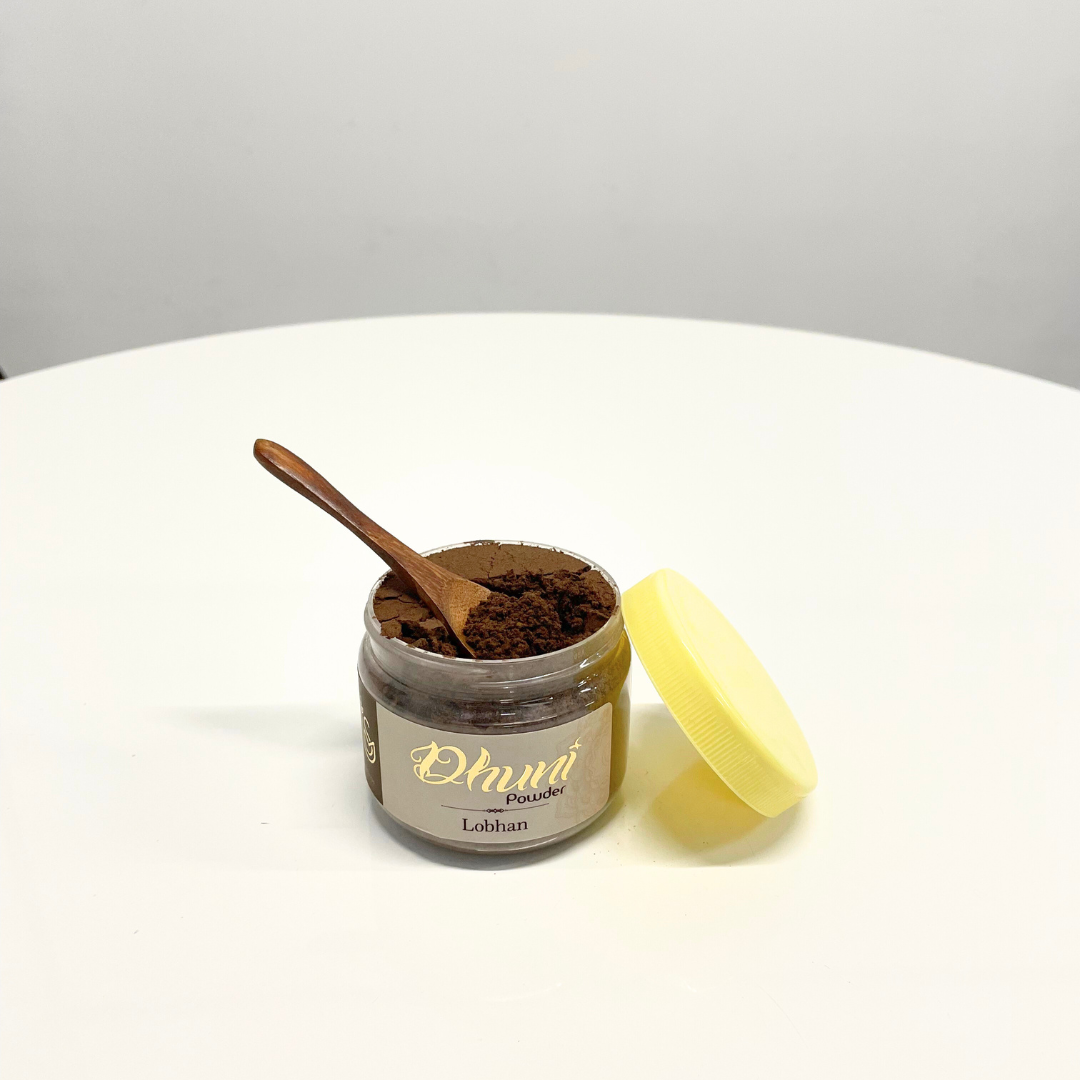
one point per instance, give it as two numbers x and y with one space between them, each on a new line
495 788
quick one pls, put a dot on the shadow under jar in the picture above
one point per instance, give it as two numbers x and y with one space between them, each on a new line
496 755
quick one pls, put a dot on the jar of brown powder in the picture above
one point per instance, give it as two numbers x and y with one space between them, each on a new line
497 755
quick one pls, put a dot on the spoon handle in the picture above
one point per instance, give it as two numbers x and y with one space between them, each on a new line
424 576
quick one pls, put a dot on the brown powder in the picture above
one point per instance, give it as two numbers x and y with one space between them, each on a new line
544 600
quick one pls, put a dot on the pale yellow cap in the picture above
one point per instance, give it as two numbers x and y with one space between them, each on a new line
719 693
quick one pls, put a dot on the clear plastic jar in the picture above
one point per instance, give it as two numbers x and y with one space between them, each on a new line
496 755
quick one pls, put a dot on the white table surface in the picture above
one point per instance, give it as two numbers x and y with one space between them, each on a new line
195 883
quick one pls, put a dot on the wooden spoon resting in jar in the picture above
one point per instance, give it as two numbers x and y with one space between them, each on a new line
450 598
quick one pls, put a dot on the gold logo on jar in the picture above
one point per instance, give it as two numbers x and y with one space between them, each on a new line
435 764
369 744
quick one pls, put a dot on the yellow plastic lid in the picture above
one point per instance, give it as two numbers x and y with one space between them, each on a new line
719 693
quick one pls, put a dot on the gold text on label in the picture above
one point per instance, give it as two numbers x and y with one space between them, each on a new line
435 764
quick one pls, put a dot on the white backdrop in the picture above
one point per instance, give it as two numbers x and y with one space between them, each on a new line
904 171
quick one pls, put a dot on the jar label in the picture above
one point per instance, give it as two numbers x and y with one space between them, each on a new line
490 788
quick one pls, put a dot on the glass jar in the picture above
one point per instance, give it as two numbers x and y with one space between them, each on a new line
496 755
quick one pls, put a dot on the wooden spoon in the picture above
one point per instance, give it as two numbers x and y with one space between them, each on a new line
450 598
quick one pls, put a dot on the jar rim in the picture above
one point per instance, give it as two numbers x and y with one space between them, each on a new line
581 654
